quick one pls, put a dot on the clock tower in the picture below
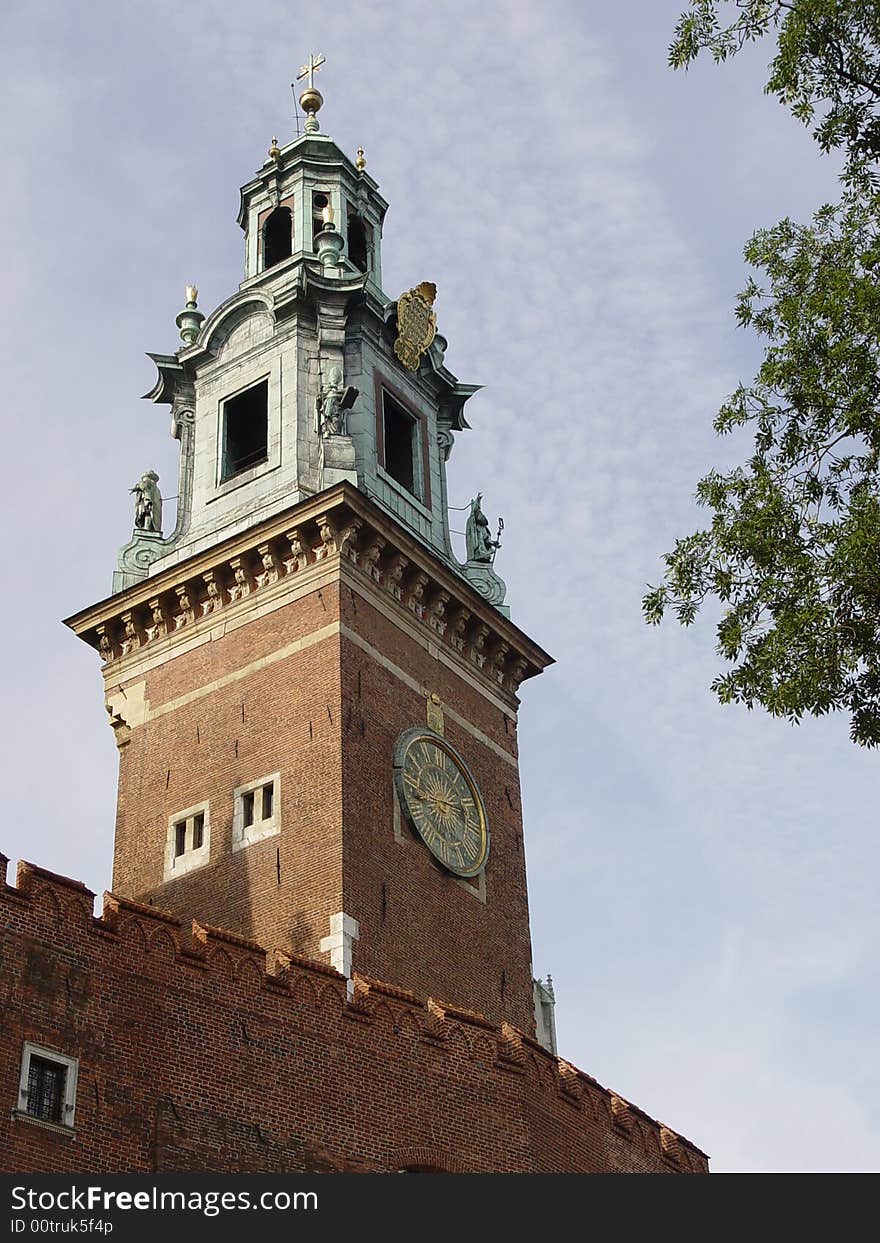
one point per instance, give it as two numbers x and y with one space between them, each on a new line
314 700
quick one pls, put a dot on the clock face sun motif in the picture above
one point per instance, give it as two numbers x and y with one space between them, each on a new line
441 801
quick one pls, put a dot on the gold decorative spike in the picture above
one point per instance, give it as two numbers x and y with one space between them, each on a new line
360 163
416 324
275 150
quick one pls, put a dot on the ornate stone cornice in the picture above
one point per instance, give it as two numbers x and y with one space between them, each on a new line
338 525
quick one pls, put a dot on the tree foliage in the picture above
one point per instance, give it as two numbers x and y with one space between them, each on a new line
826 68
793 548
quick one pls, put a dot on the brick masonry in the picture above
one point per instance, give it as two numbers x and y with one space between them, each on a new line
211 1029
194 1058
318 690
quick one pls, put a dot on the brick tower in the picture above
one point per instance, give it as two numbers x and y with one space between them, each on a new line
316 955
314 701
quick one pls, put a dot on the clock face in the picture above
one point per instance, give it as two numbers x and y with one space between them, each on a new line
441 801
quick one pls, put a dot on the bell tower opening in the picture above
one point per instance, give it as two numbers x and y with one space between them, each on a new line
358 241
245 430
319 203
277 237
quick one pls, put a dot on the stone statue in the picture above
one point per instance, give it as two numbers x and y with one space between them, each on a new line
148 503
332 403
480 545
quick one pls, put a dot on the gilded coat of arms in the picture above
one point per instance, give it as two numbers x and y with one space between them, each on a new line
416 324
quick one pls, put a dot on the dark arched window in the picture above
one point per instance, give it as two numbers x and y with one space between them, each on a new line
358 238
277 237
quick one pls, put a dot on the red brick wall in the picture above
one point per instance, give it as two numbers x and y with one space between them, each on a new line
419 926
192 1058
282 718
327 719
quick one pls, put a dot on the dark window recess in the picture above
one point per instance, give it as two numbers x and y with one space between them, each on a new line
268 800
400 440
247 807
358 241
319 202
246 430
277 237
45 1090
198 830
179 838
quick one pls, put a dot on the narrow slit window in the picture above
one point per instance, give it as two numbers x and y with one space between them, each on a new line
198 830
268 799
179 838
247 808
400 443
245 430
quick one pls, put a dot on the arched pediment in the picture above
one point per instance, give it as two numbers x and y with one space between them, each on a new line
234 314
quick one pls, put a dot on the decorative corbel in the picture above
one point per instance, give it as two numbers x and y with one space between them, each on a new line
392 575
479 639
327 534
185 613
269 562
159 620
105 644
241 582
435 611
347 539
416 593
131 634
371 557
516 671
497 660
457 627
214 599
299 557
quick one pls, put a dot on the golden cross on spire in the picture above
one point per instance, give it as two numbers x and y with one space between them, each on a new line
309 70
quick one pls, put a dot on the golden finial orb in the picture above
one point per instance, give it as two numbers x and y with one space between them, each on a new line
274 150
311 99
360 162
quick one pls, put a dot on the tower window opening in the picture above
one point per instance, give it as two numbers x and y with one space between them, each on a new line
319 202
245 430
359 235
188 843
45 1092
400 442
47 1085
277 237
255 813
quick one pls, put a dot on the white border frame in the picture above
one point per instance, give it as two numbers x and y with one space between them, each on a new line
71 1066
245 835
179 865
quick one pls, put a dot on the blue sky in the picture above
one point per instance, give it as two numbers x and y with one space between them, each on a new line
701 878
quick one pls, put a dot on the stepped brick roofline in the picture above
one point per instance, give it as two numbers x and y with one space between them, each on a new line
240 961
